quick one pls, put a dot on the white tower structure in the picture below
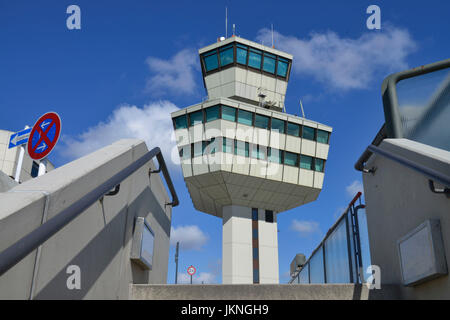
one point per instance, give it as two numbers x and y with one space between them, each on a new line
245 160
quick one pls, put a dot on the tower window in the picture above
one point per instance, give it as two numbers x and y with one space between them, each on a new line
261 121
269 216
241 54
293 129
180 122
282 67
212 113
211 62
226 55
269 62
254 58
319 164
278 124
308 133
195 117
323 136
245 117
306 162
228 113
291 159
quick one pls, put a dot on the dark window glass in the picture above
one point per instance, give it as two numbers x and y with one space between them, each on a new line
34 169
290 158
185 152
308 133
261 121
269 216
209 146
278 124
228 113
227 145
275 155
318 164
180 122
322 136
245 117
255 275
241 54
212 113
196 117
261 153
293 129
226 55
282 67
254 58
306 162
255 253
254 214
211 62
269 63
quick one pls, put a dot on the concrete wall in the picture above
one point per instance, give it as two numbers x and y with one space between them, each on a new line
98 240
398 200
263 292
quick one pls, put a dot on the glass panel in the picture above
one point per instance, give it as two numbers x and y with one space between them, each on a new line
255 151
364 239
278 124
269 216
212 113
275 155
262 151
227 145
226 55
185 152
210 146
290 158
245 117
318 164
261 121
254 59
147 245
304 274
293 129
241 148
269 63
322 136
198 149
241 54
308 133
282 67
228 113
306 162
211 62
180 122
196 117
352 249
316 267
336 255
424 107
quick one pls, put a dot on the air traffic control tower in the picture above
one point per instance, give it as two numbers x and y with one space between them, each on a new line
244 159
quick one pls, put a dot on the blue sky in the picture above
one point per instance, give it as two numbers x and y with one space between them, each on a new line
133 62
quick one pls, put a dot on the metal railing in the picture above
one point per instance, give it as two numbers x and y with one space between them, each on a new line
339 256
20 249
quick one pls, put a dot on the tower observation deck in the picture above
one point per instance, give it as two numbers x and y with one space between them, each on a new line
244 159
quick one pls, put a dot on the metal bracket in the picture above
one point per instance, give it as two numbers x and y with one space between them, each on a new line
371 170
114 192
433 189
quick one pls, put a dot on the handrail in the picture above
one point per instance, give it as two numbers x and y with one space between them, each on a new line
20 249
428 172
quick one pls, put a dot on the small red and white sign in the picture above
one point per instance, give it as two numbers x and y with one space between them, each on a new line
44 135
191 270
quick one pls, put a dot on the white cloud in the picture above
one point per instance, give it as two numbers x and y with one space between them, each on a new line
354 188
175 75
152 123
190 237
198 278
346 63
305 228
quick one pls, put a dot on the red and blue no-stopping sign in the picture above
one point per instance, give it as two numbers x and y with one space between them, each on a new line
44 135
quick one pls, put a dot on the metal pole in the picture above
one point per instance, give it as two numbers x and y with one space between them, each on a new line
176 262
19 163
191 278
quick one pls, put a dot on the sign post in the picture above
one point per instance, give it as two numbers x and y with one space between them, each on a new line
191 271
43 138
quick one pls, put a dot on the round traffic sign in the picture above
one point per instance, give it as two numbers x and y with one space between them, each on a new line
44 135
191 270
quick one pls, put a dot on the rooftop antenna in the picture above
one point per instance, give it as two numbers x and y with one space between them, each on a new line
226 22
272 35
301 106
234 29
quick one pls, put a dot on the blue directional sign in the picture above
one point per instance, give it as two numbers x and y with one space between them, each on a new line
19 138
